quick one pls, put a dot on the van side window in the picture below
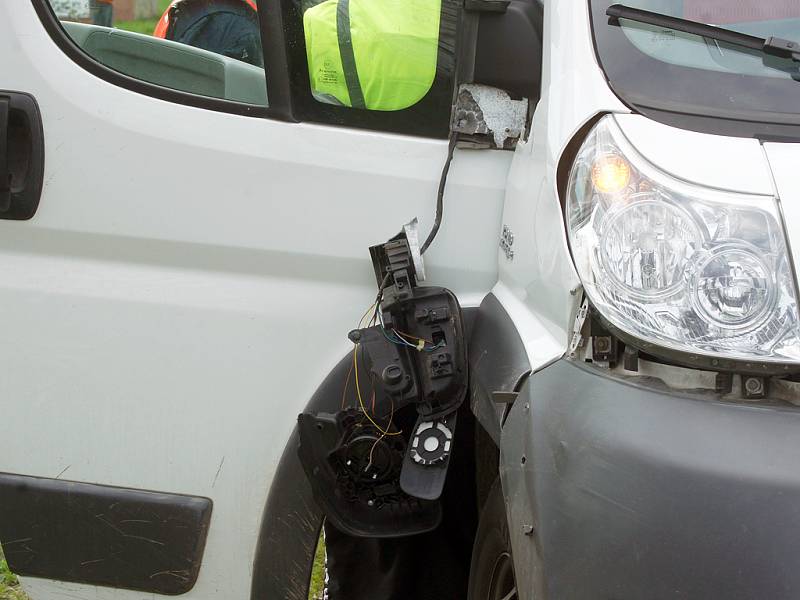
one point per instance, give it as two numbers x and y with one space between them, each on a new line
210 49
372 54
379 64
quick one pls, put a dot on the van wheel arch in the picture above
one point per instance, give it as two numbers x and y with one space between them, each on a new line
291 520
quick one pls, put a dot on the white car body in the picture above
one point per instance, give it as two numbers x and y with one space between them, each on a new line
190 275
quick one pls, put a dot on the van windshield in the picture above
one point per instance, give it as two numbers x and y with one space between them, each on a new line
697 83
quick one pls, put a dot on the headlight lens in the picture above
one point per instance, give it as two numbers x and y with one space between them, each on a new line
688 268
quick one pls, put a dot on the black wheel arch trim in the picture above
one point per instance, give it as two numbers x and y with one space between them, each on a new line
498 365
291 520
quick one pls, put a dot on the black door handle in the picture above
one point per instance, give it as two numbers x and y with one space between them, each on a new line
21 155
5 174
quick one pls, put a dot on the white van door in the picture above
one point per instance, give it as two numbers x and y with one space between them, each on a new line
194 261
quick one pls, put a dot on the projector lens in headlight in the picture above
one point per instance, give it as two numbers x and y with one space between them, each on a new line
688 268
733 288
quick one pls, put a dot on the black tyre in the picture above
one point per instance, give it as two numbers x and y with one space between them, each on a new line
492 569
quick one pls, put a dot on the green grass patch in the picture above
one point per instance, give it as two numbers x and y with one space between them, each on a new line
318 572
146 26
9 585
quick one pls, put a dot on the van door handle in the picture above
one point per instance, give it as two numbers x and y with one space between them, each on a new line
5 174
21 155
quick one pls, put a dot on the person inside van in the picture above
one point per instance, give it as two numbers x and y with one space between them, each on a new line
102 12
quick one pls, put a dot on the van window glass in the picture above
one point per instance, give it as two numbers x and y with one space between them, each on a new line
372 54
384 65
697 83
205 47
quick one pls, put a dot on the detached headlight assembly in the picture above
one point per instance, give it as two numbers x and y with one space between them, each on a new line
679 266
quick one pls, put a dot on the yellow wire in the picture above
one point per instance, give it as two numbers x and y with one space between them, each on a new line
350 372
371 450
361 400
414 337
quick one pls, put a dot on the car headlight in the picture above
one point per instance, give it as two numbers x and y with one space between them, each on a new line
676 265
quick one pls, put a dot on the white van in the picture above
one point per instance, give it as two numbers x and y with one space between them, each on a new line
584 386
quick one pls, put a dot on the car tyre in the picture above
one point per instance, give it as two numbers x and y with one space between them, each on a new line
492 568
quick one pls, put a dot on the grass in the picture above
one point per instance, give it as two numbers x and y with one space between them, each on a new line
9 585
143 25
317 572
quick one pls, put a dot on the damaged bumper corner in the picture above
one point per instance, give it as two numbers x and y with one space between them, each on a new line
620 491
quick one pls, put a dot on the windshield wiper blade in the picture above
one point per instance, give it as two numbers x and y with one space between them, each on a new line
771 45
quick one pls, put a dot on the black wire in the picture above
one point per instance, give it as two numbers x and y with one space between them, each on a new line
379 297
383 285
440 195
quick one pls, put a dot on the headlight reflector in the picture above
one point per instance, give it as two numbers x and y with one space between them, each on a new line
644 244
688 268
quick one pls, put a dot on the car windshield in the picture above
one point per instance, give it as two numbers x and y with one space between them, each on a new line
699 83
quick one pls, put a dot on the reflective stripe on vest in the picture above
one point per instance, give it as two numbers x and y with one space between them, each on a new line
348 55
375 54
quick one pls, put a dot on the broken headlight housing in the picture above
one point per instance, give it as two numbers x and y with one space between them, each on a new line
678 266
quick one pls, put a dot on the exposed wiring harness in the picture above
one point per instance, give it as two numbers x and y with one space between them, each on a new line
402 339
392 334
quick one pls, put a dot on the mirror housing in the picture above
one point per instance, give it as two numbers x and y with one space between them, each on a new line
508 49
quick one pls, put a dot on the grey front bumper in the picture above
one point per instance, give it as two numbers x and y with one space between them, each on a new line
619 491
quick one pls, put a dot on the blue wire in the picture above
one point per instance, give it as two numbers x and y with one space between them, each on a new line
436 347
396 339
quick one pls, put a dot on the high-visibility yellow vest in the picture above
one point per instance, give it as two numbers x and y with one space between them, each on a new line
374 54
